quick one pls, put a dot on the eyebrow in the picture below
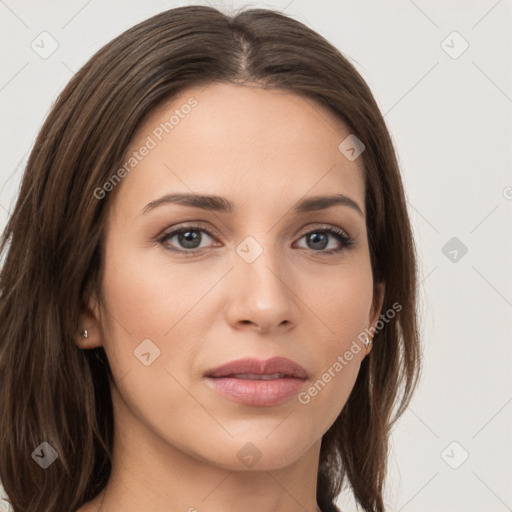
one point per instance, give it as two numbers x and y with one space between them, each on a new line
223 205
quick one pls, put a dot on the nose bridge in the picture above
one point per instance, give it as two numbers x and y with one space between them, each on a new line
261 280
259 263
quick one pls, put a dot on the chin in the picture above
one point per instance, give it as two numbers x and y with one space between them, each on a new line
258 452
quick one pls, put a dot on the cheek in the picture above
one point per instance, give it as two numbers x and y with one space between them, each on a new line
145 301
151 289
150 340
342 306
342 302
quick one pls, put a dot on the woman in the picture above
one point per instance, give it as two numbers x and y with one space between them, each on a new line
209 282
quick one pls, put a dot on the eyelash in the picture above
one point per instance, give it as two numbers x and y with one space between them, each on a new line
338 233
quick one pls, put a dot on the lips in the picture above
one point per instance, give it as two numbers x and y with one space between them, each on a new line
255 369
254 382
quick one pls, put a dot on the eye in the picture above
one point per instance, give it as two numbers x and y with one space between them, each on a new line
188 239
318 240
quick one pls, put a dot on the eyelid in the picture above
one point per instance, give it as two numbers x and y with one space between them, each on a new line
194 225
341 234
321 226
189 224
206 226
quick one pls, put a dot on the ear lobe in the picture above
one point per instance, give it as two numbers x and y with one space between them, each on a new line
89 332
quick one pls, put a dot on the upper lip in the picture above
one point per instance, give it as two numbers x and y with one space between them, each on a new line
259 367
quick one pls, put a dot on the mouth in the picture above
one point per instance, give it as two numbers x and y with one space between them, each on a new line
258 383
256 376
251 368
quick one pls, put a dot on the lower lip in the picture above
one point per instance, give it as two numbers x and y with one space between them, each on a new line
256 392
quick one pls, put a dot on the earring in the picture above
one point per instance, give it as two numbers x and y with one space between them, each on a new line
85 333
368 342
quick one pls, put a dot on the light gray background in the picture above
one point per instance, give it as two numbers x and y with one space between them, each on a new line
450 118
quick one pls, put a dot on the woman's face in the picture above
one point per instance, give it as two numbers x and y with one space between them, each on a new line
260 280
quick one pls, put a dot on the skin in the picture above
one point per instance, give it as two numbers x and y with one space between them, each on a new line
176 439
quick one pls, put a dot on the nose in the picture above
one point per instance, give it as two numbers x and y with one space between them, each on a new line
262 293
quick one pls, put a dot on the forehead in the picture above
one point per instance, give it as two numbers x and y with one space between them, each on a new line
244 142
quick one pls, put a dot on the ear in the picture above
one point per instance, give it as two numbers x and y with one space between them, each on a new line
90 320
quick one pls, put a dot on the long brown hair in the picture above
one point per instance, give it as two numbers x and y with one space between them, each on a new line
52 391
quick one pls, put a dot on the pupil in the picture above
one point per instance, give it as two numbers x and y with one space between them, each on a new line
319 240
190 239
